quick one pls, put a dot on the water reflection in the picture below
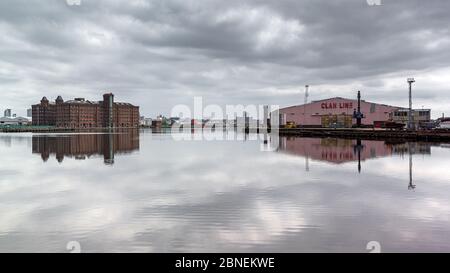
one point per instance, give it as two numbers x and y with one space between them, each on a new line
221 196
83 146
339 151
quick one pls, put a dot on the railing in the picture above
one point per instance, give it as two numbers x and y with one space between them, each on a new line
4 127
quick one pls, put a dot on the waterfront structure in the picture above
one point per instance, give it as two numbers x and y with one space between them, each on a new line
15 121
145 122
341 112
162 121
7 113
444 123
413 118
81 113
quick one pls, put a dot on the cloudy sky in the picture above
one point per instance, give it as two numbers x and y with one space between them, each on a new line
160 53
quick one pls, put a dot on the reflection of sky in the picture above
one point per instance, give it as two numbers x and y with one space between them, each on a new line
220 196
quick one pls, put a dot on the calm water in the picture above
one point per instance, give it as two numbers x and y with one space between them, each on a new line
145 192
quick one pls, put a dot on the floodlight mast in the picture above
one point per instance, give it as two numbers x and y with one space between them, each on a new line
306 93
410 112
306 100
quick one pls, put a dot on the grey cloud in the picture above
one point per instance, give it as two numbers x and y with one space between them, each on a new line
158 53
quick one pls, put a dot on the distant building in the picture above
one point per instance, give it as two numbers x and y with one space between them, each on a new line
81 113
157 123
339 112
7 113
29 113
16 121
419 116
445 124
147 122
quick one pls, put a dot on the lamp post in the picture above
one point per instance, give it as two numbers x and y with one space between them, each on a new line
410 113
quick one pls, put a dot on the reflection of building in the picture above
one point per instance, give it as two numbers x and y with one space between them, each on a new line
347 150
334 150
421 148
81 113
339 112
82 146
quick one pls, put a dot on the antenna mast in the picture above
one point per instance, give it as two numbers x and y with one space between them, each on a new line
306 93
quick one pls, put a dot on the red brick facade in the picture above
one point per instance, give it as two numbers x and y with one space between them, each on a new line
81 113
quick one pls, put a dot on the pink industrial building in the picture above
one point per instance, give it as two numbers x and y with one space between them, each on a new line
335 111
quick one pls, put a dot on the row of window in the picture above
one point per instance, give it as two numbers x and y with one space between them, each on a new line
405 114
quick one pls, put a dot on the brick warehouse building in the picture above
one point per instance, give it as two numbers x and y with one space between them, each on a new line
81 113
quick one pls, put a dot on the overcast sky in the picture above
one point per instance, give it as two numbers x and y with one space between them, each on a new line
159 53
